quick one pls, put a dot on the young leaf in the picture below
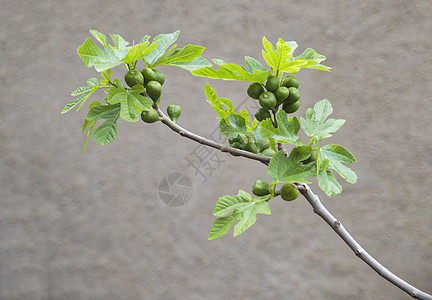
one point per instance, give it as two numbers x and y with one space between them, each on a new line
232 72
253 64
287 129
102 60
216 103
164 42
337 155
242 208
234 125
84 92
313 60
106 75
290 169
130 100
221 226
87 123
192 65
107 132
187 54
315 125
281 60
328 183
139 51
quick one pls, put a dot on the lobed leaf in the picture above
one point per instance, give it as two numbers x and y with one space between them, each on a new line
315 124
130 100
242 208
290 169
287 129
337 155
328 183
84 92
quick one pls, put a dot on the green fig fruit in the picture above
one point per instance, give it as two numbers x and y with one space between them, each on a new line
289 192
255 90
133 77
267 100
150 116
260 188
174 112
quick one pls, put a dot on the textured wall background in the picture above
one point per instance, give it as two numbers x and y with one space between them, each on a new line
91 225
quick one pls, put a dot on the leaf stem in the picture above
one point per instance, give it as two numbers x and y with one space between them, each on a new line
337 226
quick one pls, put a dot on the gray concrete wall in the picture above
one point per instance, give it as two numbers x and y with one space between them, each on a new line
91 225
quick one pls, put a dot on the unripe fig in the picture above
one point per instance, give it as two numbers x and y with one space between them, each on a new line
154 90
289 108
133 77
262 114
150 115
255 90
250 147
260 188
281 94
267 100
289 192
268 152
290 81
272 83
174 112
148 75
160 77
294 95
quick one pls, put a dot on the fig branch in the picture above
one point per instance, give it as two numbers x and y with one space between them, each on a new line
316 204
202 140
337 226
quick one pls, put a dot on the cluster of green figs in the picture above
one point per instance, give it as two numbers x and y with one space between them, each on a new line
274 93
152 80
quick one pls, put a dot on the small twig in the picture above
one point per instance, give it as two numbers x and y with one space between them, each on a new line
337 226
202 140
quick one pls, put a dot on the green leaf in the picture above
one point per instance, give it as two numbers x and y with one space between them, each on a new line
233 126
102 60
106 75
281 60
187 54
139 51
164 41
221 226
242 208
192 65
232 72
328 183
315 124
290 169
106 132
337 155
313 60
253 64
132 103
222 106
227 204
248 216
287 129
84 92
